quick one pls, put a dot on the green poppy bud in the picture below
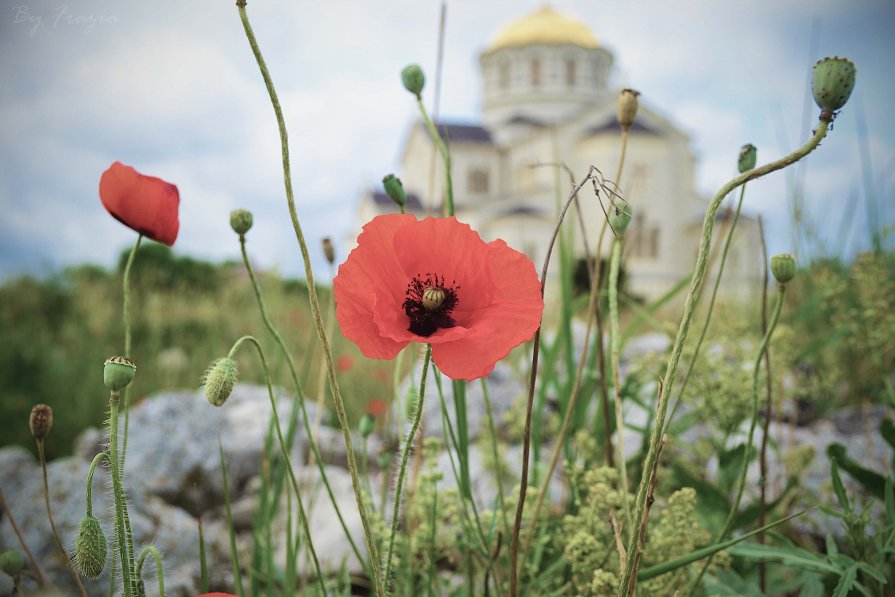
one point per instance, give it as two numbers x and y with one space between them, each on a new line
12 562
832 82
746 160
366 425
627 107
219 380
40 421
783 266
413 78
241 221
620 216
90 548
394 188
118 372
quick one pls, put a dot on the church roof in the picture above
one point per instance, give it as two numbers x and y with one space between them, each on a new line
544 26
384 201
612 126
469 133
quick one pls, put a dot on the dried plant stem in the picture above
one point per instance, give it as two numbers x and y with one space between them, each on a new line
402 468
615 347
696 282
285 452
38 572
68 561
299 395
315 303
637 556
159 571
769 404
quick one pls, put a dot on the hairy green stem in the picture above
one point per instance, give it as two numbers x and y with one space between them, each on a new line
126 315
696 282
402 469
299 396
284 450
159 571
615 348
90 472
314 301
119 499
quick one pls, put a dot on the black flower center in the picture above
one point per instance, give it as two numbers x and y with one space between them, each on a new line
428 303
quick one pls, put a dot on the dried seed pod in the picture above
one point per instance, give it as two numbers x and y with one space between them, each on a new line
41 421
627 107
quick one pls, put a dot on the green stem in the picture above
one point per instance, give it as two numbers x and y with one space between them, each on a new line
284 450
118 495
126 315
696 281
615 347
741 483
90 472
496 455
315 303
159 572
448 207
299 396
408 444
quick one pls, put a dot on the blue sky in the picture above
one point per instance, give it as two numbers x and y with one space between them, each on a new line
171 88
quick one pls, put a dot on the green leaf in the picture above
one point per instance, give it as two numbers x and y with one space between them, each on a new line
795 557
838 488
686 560
846 581
872 481
887 430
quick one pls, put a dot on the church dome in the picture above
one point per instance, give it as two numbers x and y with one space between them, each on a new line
544 26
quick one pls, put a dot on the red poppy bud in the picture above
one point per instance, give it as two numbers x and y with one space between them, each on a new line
144 203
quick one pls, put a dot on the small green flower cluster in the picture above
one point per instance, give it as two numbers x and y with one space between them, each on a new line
720 387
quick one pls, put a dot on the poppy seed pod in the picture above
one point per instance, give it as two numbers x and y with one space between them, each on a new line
783 266
219 380
746 159
12 562
241 221
41 421
413 78
627 107
118 372
394 188
328 250
620 216
832 81
90 548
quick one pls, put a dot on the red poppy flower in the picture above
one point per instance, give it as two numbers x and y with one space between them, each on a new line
145 203
376 407
344 363
436 281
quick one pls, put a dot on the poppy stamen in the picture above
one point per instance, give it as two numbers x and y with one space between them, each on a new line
428 303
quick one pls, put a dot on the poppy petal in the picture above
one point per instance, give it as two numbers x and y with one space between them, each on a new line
144 203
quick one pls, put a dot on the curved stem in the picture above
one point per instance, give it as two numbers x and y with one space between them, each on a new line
69 562
615 340
314 301
284 450
299 396
126 315
159 572
35 567
90 473
405 454
696 281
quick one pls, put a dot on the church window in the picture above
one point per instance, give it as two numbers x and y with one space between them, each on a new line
570 73
503 75
654 242
535 72
477 182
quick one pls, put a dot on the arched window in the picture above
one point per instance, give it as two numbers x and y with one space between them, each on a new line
570 72
503 76
477 182
535 73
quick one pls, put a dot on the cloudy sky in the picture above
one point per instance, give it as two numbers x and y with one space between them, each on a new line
171 88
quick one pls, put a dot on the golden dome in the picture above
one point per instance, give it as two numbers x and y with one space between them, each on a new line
544 26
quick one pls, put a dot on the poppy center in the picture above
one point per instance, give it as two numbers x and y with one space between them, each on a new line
428 303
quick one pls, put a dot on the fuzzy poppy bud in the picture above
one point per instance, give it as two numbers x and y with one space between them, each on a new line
746 160
832 81
241 221
783 266
627 107
366 425
620 216
118 372
394 188
12 562
413 78
90 547
328 250
41 421
219 380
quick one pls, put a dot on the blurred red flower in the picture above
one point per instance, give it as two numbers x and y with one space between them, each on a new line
145 203
436 281
344 363
376 407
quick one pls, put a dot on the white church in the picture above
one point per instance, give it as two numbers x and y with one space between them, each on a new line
547 99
